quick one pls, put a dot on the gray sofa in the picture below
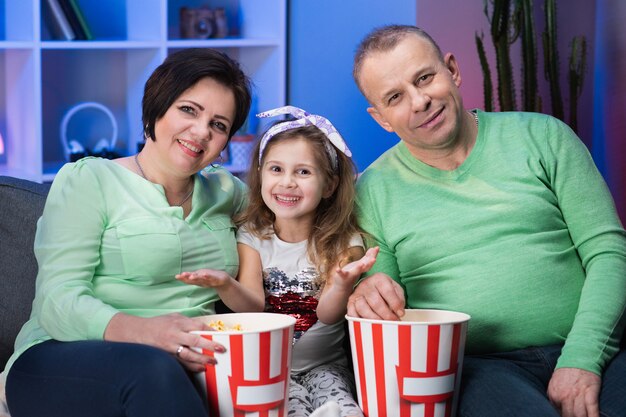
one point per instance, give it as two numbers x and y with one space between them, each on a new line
21 204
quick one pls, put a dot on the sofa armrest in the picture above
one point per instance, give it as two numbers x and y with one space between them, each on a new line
21 204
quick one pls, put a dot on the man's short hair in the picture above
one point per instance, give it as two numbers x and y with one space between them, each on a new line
383 39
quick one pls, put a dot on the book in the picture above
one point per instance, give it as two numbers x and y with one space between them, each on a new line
81 19
57 23
72 18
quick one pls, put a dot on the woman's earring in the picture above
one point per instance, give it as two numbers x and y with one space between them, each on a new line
220 161
146 133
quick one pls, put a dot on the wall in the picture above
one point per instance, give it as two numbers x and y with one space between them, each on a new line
466 17
609 133
323 36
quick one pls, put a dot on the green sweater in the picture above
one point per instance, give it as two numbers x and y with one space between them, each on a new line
109 242
523 236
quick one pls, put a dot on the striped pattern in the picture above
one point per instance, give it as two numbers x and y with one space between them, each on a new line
407 369
252 378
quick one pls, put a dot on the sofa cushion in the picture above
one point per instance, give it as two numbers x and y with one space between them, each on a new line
21 204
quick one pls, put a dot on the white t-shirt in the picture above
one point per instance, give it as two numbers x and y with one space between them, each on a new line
289 278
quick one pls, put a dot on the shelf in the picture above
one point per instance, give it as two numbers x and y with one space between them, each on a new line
182 43
99 44
44 78
16 45
224 43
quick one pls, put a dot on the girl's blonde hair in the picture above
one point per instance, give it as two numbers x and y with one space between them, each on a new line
334 223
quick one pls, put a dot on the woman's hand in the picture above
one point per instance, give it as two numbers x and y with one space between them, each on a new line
169 332
209 278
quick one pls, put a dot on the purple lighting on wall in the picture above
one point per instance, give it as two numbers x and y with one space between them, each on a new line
609 149
1 145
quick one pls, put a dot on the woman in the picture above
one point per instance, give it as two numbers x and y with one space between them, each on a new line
109 334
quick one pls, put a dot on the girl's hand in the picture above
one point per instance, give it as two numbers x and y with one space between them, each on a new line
334 298
169 332
347 275
209 278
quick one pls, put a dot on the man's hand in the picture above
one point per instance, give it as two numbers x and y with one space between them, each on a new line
575 392
377 297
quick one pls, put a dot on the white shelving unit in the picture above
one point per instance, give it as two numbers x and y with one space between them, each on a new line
41 79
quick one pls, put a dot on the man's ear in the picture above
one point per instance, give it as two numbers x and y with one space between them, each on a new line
453 66
379 119
331 187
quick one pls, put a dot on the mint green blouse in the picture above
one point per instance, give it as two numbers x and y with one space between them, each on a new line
109 242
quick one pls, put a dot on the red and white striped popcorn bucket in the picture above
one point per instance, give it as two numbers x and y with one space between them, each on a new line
409 368
252 377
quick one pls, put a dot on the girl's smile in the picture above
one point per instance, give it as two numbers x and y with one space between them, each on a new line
286 200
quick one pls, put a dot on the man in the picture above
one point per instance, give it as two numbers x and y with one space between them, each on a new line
502 216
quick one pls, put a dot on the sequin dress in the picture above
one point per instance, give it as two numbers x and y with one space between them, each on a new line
319 369
291 287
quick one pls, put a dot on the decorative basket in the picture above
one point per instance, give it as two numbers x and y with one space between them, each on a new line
241 147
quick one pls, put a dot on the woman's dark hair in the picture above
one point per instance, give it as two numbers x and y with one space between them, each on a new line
183 69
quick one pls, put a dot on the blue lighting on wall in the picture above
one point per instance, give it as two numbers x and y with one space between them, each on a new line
320 66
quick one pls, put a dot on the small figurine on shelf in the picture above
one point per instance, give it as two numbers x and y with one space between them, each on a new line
103 150
76 151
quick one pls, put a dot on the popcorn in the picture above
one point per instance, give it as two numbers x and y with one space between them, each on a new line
220 326
236 383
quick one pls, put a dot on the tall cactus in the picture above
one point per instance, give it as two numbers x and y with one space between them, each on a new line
484 65
501 36
530 95
551 59
576 76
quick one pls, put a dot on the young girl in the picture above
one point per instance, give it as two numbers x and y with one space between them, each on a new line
299 240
